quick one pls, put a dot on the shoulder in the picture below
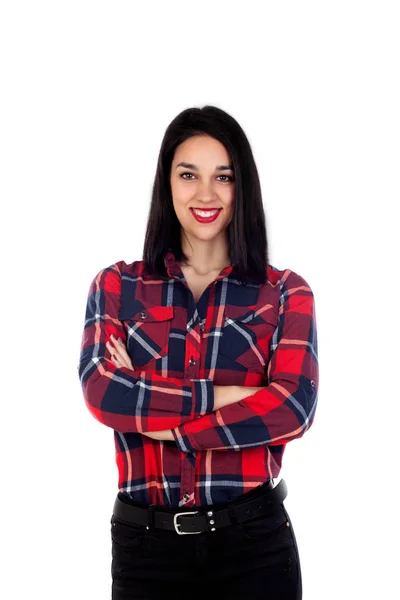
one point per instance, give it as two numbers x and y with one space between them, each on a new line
286 279
121 268
134 268
110 277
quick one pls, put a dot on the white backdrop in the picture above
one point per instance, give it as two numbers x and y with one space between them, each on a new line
87 90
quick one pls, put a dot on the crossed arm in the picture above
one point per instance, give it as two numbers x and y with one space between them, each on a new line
198 414
223 395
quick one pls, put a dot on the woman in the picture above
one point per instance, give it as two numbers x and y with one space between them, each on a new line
203 359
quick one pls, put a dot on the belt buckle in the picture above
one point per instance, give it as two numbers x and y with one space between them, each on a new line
176 525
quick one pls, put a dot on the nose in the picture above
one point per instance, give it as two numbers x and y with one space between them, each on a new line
205 193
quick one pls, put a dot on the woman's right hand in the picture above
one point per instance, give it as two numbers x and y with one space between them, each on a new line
119 355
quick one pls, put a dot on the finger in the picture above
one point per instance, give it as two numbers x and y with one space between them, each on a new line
120 351
119 344
113 350
116 357
114 360
119 361
110 347
123 354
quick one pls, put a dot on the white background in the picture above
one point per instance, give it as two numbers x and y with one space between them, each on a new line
87 91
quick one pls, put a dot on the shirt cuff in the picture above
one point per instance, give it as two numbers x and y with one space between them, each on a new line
202 396
184 439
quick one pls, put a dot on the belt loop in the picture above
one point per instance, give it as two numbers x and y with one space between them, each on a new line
232 514
150 517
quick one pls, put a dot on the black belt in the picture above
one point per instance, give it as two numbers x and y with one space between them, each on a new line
203 519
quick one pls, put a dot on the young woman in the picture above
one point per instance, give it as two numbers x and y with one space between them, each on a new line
202 357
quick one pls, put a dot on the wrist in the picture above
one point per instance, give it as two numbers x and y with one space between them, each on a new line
225 394
229 394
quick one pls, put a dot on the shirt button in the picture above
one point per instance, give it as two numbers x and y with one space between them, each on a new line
142 315
186 497
313 382
192 361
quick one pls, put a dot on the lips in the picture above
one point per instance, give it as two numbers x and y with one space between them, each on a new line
209 219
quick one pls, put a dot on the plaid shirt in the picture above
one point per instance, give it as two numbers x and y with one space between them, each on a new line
247 335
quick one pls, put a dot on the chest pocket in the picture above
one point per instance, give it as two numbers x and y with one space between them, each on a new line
246 336
147 334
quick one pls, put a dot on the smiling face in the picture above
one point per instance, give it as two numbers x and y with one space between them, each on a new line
202 178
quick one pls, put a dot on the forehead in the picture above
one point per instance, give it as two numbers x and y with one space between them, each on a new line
202 151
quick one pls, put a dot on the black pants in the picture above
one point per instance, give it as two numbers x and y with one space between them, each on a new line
258 559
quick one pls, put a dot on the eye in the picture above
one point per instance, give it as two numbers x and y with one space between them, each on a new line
228 177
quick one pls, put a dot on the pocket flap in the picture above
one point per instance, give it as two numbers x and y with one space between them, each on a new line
244 315
151 314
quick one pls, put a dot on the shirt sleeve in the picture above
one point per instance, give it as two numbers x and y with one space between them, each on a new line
122 398
284 410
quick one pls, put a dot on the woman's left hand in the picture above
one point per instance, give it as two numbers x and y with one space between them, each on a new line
119 354
120 357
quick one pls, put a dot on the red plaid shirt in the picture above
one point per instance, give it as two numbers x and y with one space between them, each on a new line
246 335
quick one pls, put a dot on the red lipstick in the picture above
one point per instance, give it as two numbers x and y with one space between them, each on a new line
209 219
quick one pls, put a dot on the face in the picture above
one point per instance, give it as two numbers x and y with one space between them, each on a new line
201 178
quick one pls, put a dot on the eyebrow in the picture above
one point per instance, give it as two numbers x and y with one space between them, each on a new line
196 168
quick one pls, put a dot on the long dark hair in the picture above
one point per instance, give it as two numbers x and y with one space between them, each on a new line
248 246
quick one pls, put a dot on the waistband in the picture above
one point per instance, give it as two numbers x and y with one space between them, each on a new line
254 493
201 519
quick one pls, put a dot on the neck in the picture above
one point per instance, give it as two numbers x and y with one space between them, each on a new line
205 257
